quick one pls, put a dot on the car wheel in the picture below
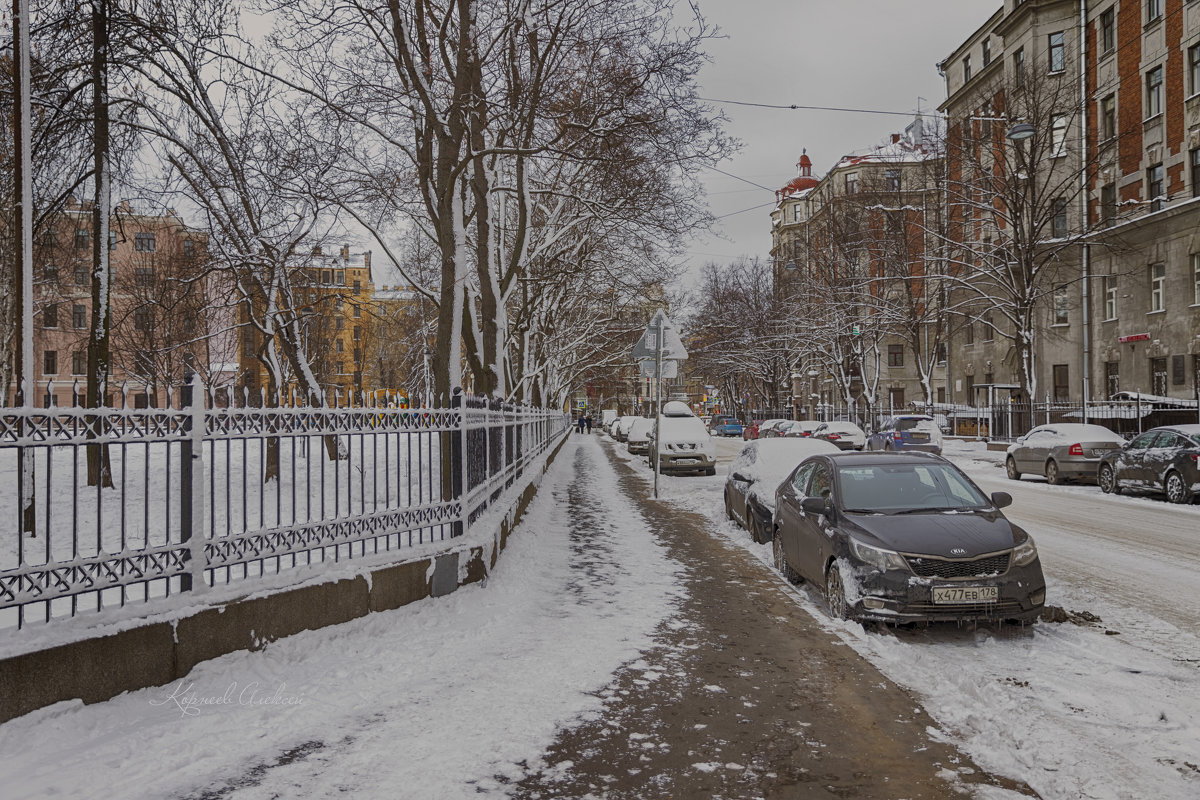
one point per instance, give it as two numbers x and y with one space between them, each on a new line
887 447
757 532
1052 475
1010 466
835 593
1107 478
729 510
710 471
1177 490
781 562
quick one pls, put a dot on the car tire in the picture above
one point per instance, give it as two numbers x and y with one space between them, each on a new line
781 562
1176 488
835 593
1106 476
729 510
1053 476
757 533
887 447
1010 466
710 471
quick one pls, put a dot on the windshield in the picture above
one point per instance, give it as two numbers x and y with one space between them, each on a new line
902 487
914 423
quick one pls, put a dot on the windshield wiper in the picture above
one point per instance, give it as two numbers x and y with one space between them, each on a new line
862 511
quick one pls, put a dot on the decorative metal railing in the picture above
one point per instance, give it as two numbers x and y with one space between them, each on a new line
213 492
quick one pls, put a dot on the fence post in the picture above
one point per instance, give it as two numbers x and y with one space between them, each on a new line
458 462
191 485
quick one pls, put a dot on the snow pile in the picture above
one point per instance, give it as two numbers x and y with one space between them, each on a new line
766 462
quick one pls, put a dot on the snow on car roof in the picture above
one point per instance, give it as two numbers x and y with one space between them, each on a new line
683 429
1080 430
773 459
675 408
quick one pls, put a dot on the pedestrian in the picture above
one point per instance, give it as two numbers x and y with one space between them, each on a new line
581 423
589 423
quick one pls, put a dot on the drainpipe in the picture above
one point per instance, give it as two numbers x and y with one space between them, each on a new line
1085 265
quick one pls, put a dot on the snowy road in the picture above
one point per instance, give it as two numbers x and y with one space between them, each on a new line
1105 708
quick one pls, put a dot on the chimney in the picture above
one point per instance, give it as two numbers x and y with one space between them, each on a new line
316 250
895 138
367 259
345 252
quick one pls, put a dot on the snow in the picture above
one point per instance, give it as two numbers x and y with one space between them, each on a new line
1075 432
442 698
766 462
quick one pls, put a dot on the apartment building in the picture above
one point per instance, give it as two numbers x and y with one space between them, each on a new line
851 253
1079 122
160 308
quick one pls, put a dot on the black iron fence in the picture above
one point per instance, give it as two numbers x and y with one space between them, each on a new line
216 491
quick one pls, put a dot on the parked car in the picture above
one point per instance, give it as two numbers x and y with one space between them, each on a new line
720 419
800 429
904 537
1165 459
683 443
637 439
846 435
730 427
1061 452
751 431
770 428
907 432
621 429
755 475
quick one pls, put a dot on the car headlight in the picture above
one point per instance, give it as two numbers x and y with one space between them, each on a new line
1025 552
875 557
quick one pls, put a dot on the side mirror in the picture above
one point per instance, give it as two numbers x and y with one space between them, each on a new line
815 505
1001 499
738 476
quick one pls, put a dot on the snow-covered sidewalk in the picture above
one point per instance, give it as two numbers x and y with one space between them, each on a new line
434 700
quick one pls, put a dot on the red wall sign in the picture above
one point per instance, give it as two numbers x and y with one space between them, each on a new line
1136 337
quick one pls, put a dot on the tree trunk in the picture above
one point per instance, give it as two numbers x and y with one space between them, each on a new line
99 465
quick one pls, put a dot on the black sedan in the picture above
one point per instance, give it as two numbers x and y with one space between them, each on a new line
1165 459
904 538
755 475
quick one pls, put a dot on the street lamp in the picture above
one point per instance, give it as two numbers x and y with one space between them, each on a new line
1020 132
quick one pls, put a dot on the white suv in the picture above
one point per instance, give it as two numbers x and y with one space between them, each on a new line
684 444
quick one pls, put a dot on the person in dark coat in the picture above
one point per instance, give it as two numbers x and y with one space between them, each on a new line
588 421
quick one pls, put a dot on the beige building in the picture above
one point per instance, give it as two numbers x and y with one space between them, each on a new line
1111 91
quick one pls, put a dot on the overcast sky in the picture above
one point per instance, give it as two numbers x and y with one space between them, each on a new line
870 54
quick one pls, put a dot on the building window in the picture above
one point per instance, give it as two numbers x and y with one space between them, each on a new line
143 276
79 363
1158 281
1058 219
141 320
357 287
50 273
1108 203
337 366
1058 52
82 277
357 332
340 277
892 177
143 242
1108 30
1058 135
1154 187
326 276
1158 376
1019 67
989 333
50 362
851 183
189 248
357 311
341 322
797 216
1154 79
50 316
83 239
1177 370
941 354
1193 60
1153 10
966 69
339 346
1061 311
1194 168
895 355
1110 297
969 333
987 51
1062 383
112 240
78 317
1112 377
1196 279
1108 117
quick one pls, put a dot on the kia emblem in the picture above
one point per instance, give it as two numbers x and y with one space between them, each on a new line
957 551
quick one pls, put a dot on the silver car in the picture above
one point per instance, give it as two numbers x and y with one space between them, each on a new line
1067 451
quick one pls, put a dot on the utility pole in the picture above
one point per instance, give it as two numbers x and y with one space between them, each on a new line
23 263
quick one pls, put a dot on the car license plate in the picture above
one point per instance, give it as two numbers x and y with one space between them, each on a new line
919 437
686 460
965 594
